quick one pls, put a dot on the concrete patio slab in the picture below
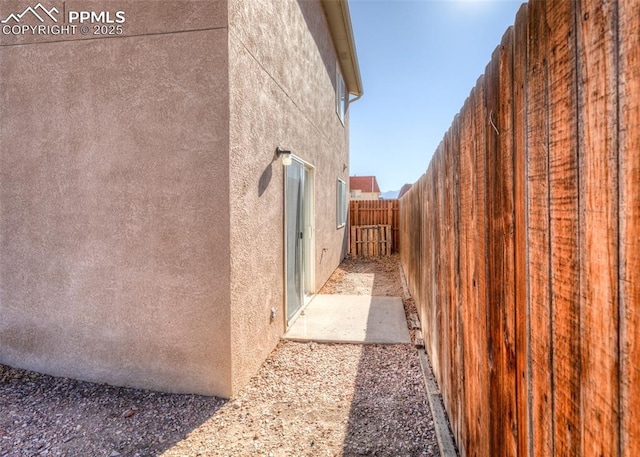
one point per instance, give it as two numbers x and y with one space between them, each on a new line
361 319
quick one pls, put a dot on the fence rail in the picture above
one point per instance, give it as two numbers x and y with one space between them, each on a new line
377 212
521 243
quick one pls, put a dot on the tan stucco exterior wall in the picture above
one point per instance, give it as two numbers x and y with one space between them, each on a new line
282 68
141 204
114 201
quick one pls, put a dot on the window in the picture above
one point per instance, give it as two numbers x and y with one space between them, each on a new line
341 95
341 203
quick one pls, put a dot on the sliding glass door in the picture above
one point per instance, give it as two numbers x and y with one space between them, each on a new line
298 223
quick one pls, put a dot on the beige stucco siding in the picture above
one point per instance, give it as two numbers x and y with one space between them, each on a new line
141 203
114 209
282 76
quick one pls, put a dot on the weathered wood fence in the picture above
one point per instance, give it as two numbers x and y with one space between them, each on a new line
521 243
370 213
370 240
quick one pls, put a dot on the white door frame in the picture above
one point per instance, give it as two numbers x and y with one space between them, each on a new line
309 213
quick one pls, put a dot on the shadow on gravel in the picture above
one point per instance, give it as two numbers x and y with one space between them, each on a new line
390 418
43 415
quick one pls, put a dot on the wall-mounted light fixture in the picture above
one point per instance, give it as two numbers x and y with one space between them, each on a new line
284 155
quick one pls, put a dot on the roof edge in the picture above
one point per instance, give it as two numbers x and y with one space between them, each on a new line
339 19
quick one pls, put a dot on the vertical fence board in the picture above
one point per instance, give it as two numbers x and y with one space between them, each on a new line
469 429
629 166
450 257
538 233
506 362
563 207
416 280
417 266
423 258
457 371
480 274
437 307
598 215
494 247
430 257
521 303
445 270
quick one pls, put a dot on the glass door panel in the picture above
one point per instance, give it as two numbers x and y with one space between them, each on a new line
294 211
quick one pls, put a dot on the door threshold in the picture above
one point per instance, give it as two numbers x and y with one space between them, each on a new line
307 299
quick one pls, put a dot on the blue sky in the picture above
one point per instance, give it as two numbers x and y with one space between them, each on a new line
419 60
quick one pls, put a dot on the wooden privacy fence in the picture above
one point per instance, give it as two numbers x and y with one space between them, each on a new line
365 214
521 243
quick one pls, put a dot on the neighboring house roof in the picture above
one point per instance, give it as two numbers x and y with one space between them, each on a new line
404 189
339 21
364 183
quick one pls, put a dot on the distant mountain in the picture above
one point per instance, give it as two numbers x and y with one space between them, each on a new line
389 195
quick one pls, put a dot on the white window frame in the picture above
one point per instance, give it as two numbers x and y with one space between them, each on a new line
341 95
341 203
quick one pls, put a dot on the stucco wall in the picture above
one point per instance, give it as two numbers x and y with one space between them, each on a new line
114 201
367 196
282 76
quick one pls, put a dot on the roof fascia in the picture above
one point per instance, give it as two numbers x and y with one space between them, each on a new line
339 21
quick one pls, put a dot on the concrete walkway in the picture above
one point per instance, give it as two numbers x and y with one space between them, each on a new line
360 319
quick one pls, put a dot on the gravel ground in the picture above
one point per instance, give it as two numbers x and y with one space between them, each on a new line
375 276
308 399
